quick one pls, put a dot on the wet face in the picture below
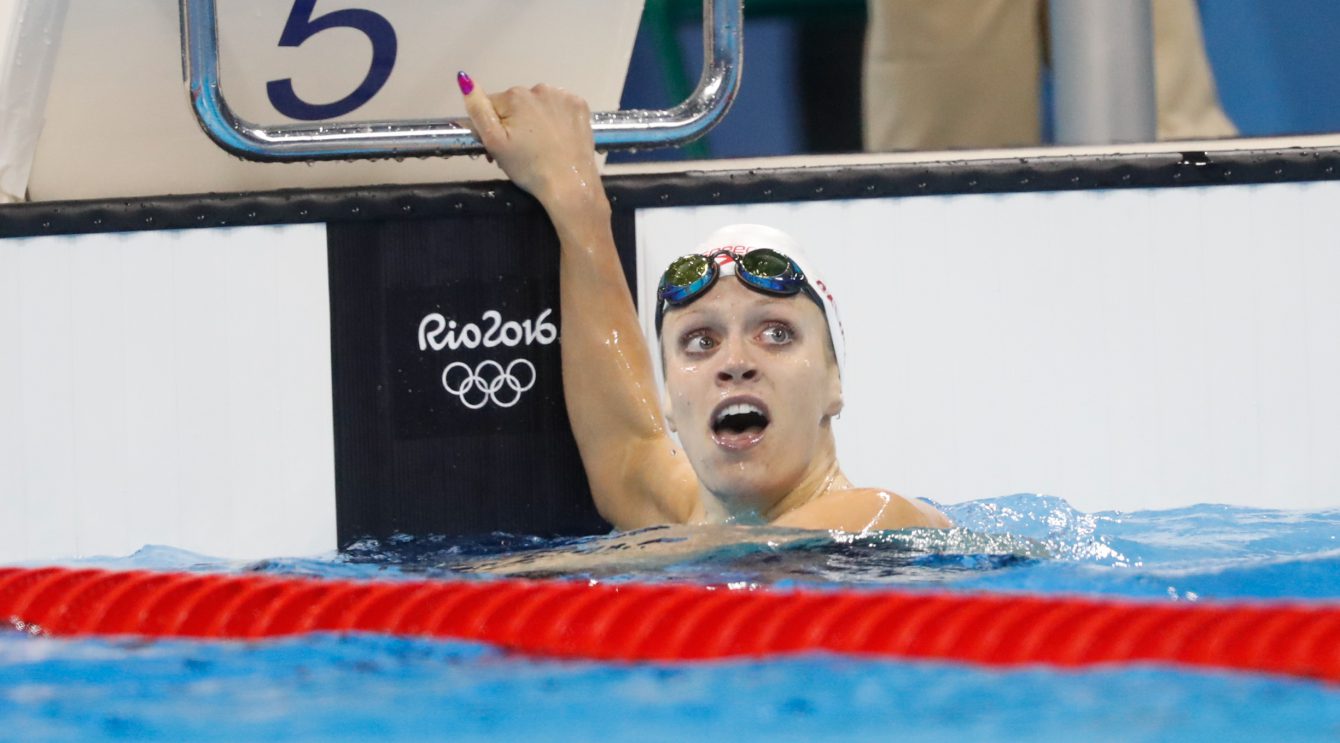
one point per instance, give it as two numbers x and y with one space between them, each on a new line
752 387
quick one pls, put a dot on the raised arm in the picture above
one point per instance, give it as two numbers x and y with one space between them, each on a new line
541 137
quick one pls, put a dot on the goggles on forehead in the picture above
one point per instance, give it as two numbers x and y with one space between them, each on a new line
764 270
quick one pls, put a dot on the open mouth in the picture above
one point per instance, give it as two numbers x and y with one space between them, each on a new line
739 424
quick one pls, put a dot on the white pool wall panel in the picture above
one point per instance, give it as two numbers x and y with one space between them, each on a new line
167 387
1135 349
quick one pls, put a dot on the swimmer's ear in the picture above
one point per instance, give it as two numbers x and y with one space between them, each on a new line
834 392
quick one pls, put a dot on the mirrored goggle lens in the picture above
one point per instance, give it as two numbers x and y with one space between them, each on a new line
765 263
684 271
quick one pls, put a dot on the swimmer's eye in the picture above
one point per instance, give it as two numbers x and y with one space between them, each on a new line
778 334
699 341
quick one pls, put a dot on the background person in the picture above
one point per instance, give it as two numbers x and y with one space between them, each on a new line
967 73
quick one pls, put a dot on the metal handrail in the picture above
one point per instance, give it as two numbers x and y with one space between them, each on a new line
723 57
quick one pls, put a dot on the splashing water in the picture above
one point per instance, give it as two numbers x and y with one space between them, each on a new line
1028 543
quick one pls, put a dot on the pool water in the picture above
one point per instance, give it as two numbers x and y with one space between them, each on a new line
327 687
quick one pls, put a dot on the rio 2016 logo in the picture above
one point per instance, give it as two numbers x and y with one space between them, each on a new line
436 332
501 384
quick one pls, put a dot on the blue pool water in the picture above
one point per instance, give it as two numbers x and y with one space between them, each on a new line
328 687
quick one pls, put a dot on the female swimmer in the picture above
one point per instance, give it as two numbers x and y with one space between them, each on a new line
751 353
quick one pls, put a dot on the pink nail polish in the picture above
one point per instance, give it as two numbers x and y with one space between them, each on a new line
467 85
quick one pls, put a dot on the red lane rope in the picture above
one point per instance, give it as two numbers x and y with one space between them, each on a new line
676 622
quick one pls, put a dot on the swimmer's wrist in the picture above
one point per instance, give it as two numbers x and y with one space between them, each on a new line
576 211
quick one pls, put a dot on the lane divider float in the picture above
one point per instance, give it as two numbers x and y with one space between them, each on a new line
629 622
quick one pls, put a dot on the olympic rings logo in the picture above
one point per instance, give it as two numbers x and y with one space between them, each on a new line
489 382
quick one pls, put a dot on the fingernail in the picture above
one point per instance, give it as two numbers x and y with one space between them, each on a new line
467 85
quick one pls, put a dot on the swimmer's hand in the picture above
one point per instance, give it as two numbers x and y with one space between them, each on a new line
541 137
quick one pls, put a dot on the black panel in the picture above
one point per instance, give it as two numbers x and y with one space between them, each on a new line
412 303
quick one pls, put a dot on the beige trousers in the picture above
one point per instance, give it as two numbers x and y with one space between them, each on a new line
965 73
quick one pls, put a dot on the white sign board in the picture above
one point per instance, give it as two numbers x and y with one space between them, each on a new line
119 122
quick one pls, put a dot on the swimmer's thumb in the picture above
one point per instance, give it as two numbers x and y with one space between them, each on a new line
482 114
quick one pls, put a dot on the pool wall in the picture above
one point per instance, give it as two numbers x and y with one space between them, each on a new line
259 374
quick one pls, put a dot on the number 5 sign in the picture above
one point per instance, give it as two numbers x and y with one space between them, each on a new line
301 26
119 122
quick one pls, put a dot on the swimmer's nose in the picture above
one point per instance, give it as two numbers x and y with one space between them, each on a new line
737 367
730 375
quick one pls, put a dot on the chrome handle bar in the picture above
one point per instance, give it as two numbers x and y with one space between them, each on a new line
723 56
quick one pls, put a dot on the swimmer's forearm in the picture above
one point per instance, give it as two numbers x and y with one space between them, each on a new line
601 344
607 376
606 365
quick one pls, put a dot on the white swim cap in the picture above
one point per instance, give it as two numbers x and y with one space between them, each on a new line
743 238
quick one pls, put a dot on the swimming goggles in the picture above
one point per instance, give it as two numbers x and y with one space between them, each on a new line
764 270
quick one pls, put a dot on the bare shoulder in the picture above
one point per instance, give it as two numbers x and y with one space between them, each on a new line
863 509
